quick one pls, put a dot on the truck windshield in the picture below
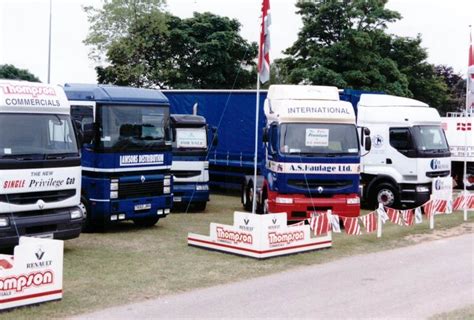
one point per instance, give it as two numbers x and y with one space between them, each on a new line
318 138
37 135
133 127
430 138
190 138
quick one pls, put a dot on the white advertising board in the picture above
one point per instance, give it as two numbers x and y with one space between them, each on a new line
34 273
191 138
442 189
260 236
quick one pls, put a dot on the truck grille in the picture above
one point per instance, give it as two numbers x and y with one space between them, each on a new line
314 184
435 174
33 197
186 174
129 190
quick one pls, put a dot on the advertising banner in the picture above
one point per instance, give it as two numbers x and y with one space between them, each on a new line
34 273
260 236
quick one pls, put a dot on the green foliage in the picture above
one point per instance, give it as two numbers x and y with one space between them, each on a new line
456 88
9 71
344 44
205 51
113 20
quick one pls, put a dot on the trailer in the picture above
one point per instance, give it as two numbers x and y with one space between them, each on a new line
459 130
308 156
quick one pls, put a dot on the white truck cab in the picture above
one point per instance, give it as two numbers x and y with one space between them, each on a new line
40 169
409 149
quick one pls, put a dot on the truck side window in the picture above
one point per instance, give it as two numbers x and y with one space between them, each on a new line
400 139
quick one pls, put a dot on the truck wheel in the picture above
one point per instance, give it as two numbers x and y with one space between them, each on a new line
200 206
247 194
386 194
146 222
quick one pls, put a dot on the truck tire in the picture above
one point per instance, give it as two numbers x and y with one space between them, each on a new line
200 206
247 193
146 222
386 194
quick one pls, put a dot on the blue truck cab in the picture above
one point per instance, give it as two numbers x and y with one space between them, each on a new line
126 155
190 166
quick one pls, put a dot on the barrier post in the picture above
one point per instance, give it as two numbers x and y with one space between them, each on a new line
432 216
379 222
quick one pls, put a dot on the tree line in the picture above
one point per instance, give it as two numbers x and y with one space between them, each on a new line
342 43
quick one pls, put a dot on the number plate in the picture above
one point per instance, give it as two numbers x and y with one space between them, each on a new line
43 236
145 206
177 199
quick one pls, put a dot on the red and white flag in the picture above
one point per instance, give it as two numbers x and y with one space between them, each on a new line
370 222
298 224
408 217
460 202
319 223
6 263
429 208
418 216
470 78
334 220
394 216
383 215
264 50
441 206
351 225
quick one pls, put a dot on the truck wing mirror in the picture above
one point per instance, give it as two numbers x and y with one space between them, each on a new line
79 133
368 143
265 134
366 131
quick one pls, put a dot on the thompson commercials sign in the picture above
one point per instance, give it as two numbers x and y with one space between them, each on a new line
33 274
260 236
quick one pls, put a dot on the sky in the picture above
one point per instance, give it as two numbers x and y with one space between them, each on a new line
24 24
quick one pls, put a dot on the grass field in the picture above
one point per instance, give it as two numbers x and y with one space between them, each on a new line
128 264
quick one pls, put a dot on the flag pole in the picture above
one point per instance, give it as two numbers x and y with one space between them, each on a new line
257 108
49 42
468 89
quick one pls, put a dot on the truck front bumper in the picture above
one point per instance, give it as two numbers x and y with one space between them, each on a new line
129 209
302 207
53 223
414 195
190 192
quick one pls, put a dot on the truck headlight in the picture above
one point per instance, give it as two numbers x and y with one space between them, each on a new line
114 185
202 187
166 189
113 194
76 214
353 200
422 189
4 222
167 181
284 200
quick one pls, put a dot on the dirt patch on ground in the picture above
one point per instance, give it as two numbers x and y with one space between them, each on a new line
437 234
